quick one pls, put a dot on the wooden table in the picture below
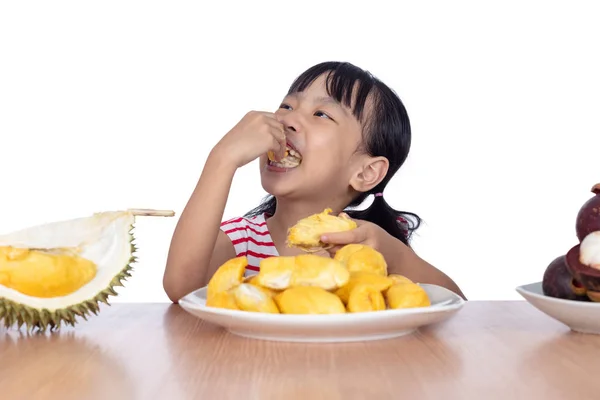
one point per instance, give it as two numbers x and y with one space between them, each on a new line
489 350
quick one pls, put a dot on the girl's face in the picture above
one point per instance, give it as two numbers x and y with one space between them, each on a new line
326 135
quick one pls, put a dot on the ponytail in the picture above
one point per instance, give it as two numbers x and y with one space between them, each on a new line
399 224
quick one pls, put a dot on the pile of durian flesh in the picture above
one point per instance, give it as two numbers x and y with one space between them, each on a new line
354 280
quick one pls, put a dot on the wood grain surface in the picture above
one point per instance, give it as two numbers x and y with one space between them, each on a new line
489 350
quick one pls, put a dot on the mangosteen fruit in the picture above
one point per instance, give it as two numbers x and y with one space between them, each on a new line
583 262
588 217
594 296
558 282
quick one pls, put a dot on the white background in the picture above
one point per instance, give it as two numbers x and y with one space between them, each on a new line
115 104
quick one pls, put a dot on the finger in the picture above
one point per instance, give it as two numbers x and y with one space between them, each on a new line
270 115
343 238
275 123
280 141
359 222
333 250
277 132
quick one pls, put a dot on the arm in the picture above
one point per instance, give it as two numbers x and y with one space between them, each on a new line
198 245
404 261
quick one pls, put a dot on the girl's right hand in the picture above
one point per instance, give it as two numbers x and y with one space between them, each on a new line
257 133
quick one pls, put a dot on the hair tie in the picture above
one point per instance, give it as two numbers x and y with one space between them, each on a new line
379 194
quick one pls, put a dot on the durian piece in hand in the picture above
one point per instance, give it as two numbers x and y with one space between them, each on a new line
52 273
307 232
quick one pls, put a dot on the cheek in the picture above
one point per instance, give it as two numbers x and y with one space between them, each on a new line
328 145
326 167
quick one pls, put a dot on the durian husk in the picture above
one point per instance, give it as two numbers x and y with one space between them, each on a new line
83 235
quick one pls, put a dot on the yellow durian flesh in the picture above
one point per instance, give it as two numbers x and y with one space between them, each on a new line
399 278
309 300
253 280
227 276
406 295
44 273
252 298
313 284
222 300
271 155
360 257
324 272
283 272
307 232
276 272
365 297
103 240
382 283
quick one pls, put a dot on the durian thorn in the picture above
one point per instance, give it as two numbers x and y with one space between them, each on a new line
149 212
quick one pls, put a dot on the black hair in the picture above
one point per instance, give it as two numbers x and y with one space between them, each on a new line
387 133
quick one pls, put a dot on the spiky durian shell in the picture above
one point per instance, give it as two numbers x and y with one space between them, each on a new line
13 314
86 234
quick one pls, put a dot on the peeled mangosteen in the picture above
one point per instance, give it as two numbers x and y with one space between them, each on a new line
588 217
583 262
558 282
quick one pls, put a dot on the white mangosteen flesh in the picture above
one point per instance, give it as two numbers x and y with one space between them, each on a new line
589 250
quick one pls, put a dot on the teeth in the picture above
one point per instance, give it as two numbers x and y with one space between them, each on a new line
285 163
294 153
289 162
291 159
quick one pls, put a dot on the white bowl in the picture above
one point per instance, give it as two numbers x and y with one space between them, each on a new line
347 327
579 316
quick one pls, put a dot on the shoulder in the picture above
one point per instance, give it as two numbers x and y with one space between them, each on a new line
244 227
257 223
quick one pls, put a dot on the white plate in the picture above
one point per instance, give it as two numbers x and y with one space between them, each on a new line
579 316
347 327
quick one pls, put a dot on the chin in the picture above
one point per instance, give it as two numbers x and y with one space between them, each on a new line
278 186
281 182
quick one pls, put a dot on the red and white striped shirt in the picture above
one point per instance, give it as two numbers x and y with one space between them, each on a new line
250 238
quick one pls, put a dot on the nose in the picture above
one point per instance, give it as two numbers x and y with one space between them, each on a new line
291 121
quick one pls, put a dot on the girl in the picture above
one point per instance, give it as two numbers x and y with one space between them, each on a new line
350 134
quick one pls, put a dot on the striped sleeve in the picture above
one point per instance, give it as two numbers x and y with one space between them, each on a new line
251 238
235 228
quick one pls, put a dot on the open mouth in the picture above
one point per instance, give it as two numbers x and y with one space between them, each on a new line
292 158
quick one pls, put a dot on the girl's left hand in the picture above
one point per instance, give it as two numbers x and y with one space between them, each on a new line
366 233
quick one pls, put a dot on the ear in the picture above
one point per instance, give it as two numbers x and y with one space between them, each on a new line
371 172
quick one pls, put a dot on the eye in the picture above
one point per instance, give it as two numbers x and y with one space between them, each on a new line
285 106
322 114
